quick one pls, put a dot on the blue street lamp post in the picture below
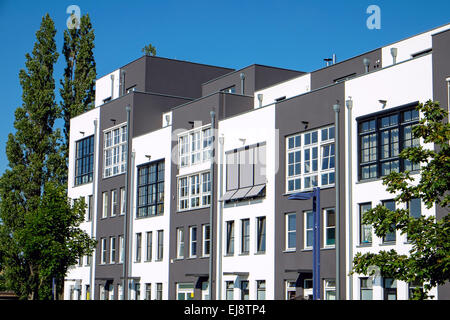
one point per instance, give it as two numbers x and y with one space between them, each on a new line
315 195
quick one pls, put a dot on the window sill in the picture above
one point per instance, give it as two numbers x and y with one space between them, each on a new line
204 257
364 245
289 251
243 254
158 260
229 255
308 189
259 253
415 172
387 243
328 248
192 209
152 216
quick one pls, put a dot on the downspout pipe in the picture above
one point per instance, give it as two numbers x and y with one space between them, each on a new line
336 108
349 104
125 217
94 216
242 76
220 218
211 207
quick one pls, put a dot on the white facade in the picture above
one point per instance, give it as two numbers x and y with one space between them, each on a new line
401 84
148 148
78 277
255 127
107 87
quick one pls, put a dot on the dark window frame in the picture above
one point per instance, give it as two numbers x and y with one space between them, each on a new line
145 182
84 160
378 129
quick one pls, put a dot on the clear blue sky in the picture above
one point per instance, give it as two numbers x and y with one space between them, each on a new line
293 34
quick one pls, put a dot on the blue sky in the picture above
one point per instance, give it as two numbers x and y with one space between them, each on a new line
283 33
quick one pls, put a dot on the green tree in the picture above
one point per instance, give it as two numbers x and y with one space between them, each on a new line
78 84
428 261
39 237
149 50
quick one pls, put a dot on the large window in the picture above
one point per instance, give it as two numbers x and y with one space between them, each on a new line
84 160
194 191
246 173
310 160
195 146
150 189
115 151
381 139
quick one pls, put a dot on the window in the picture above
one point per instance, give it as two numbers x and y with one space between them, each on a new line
194 191
121 292
149 247
180 243
330 289
122 201
137 291
310 160
261 234
84 160
382 138
291 289
205 290
112 256
229 287
192 242
138 247
88 260
206 240
105 205
365 231
113 202
185 291
148 291
115 151
230 238
260 289
413 286
245 236
415 208
121 250
291 231
150 189
231 89
366 289
160 251
195 146
90 208
330 227
103 250
390 289
245 173
244 290
309 230
390 236
159 291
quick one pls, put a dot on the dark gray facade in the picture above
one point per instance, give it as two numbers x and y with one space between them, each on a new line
315 108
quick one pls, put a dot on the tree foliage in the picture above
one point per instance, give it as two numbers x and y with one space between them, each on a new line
428 261
39 238
149 50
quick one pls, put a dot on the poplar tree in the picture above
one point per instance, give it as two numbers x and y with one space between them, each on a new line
39 234
78 83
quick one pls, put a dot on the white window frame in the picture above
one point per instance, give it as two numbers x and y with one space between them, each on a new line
121 249
160 244
122 201
180 243
103 251
114 150
105 205
149 246
113 202
245 236
194 191
287 215
298 147
138 248
112 250
328 287
205 240
194 146
193 243
306 230
325 228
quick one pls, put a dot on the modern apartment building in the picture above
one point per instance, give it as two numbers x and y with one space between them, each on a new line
187 170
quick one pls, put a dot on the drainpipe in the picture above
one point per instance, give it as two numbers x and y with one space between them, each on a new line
448 98
349 104
242 75
336 108
220 218
211 206
125 217
94 216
